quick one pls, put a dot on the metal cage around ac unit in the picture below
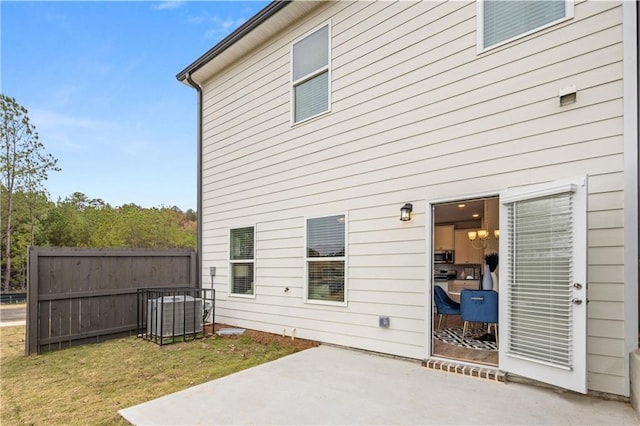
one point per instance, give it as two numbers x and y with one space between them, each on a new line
169 314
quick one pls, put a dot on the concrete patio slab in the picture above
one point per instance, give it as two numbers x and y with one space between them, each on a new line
329 385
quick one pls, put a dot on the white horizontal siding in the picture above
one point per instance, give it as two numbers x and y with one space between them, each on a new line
306 323
605 273
612 329
606 310
302 178
277 171
605 346
416 114
387 248
606 219
606 237
605 382
610 256
606 365
386 285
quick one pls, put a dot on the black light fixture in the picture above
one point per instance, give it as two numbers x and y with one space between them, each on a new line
405 212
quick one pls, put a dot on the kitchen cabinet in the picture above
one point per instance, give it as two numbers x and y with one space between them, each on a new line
465 252
454 287
444 238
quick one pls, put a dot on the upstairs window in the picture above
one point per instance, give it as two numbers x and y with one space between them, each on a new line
500 21
241 261
310 75
325 255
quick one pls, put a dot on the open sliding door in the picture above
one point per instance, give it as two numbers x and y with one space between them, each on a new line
543 283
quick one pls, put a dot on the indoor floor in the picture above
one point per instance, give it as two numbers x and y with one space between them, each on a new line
447 345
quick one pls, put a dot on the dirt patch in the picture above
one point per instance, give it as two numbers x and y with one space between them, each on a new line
267 338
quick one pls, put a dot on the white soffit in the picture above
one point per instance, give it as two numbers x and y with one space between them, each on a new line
253 39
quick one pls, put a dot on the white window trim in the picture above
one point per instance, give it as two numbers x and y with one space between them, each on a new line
294 83
344 303
480 48
230 262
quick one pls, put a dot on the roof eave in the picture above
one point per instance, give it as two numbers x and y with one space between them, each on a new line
244 29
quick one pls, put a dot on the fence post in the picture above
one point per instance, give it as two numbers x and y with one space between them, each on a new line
193 279
31 330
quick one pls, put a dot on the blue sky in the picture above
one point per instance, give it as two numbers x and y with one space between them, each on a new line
98 79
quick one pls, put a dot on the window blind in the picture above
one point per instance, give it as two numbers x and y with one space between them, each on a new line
310 75
242 260
312 97
242 278
325 237
242 243
311 53
505 19
540 281
326 258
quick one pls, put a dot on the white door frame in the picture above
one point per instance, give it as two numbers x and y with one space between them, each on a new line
429 238
523 368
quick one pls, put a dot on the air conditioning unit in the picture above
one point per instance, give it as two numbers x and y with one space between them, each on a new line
171 316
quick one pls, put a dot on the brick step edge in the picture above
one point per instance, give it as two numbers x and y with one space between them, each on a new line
466 370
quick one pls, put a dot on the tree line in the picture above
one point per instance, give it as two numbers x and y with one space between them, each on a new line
29 218
78 221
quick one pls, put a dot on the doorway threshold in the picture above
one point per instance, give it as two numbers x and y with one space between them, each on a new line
454 367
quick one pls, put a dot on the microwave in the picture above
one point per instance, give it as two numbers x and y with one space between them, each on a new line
443 256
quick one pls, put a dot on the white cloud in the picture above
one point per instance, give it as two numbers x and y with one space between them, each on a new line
222 27
168 5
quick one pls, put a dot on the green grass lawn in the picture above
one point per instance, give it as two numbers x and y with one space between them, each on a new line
88 384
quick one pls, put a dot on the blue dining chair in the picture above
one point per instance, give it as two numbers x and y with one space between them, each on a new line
444 304
479 306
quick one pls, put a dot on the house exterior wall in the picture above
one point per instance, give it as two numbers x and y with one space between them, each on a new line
416 114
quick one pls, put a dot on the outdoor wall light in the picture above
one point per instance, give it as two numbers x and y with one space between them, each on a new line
405 212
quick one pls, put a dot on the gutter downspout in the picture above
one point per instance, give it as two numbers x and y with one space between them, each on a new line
199 183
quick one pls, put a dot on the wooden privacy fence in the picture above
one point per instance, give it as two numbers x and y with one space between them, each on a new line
77 296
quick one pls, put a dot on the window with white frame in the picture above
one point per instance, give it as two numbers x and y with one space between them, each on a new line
242 260
325 257
310 74
500 21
